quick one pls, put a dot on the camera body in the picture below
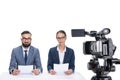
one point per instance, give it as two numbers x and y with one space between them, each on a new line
101 48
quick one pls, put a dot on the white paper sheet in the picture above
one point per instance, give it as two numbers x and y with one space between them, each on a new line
60 68
25 69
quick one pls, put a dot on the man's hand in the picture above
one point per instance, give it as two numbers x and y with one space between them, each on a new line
16 72
36 71
52 72
68 72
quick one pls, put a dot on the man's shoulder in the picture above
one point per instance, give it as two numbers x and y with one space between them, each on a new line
33 47
18 47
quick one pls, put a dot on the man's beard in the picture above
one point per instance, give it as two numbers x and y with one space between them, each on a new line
25 45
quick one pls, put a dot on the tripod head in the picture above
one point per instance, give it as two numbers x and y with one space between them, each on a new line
101 48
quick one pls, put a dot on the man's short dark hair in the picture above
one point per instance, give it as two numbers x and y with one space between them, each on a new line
25 32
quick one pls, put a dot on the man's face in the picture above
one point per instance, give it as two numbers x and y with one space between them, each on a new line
26 40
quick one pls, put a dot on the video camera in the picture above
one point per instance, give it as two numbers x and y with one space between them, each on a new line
102 47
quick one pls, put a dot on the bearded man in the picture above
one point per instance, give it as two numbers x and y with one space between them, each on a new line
25 54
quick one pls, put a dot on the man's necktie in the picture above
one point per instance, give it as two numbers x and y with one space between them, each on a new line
25 56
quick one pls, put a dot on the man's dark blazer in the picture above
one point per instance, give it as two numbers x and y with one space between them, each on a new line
53 58
17 58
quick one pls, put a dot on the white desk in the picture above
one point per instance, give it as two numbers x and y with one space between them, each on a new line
43 76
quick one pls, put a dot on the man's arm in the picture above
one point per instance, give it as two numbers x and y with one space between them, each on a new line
13 64
38 63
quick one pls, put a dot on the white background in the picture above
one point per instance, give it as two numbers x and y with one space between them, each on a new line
43 18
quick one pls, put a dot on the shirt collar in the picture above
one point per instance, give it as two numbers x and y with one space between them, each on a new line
62 51
25 48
